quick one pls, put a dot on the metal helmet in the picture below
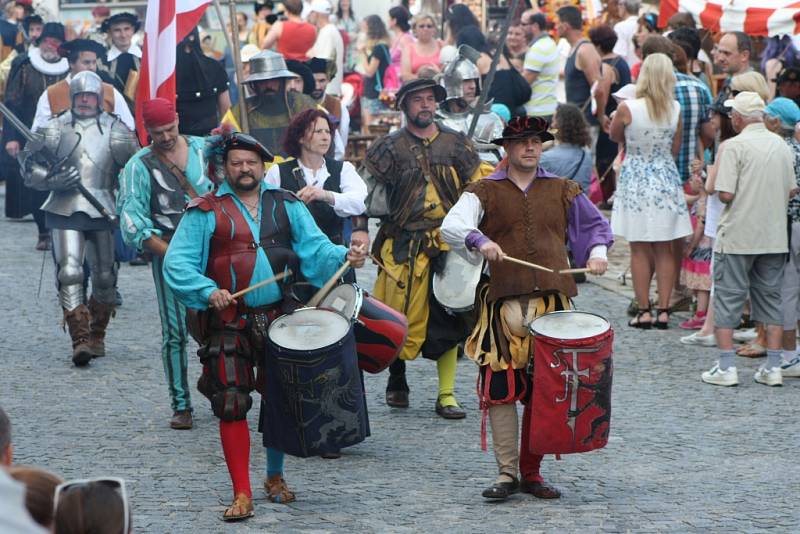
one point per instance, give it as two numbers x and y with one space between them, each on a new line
456 73
86 82
268 65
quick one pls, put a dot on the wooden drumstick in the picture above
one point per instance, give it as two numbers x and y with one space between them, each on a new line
262 283
319 295
527 264
399 282
575 271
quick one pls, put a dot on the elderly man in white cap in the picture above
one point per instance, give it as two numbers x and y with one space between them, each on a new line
755 179
329 44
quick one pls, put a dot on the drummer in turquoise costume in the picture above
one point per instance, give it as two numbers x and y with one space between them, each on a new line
217 250
155 186
526 213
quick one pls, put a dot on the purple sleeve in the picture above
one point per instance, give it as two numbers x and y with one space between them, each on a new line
587 229
475 240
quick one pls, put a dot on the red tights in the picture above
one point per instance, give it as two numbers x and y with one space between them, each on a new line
528 463
235 436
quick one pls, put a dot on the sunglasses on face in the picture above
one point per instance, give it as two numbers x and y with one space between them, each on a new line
424 25
115 483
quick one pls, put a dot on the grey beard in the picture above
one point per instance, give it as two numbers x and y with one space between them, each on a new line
420 122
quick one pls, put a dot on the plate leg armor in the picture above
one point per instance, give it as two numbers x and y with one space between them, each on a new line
69 247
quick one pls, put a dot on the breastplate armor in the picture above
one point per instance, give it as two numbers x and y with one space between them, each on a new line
91 141
167 198
490 126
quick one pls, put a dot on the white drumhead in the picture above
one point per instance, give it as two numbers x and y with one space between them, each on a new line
455 286
308 329
345 299
569 325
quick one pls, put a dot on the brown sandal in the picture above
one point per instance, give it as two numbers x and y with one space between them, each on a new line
245 506
277 490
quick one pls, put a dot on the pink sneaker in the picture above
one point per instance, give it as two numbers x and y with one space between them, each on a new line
695 323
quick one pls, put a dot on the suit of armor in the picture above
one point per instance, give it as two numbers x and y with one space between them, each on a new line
90 151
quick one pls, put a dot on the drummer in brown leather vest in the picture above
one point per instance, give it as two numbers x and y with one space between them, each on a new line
523 212
416 175
244 233
81 54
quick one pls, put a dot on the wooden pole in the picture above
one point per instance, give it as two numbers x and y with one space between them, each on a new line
233 43
476 113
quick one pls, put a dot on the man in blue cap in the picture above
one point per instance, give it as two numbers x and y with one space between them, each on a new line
781 117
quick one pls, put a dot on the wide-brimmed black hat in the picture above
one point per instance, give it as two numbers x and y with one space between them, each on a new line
789 74
118 18
31 19
302 70
523 128
418 85
242 141
82 45
51 29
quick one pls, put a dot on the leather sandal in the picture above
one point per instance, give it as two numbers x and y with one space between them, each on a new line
661 325
637 322
245 506
277 490
539 489
751 350
502 490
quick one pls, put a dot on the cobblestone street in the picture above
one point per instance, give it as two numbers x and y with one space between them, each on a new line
683 456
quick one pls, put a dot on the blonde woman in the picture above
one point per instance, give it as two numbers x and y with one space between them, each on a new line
424 52
649 206
750 81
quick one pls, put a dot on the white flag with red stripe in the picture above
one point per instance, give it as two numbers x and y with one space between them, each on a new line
167 22
753 17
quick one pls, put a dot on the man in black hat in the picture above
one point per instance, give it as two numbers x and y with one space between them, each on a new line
124 58
544 209
320 69
419 171
788 84
212 241
81 54
201 86
30 75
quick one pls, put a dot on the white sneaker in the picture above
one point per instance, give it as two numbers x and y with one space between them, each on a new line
769 377
696 339
718 377
745 335
791 369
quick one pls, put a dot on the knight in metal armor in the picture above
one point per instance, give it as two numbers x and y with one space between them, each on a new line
155 186
78 159
462 81
272 107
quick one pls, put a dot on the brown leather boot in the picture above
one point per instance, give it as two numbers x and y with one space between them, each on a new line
101 314
77 321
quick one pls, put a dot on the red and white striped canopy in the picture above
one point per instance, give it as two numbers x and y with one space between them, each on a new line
753 17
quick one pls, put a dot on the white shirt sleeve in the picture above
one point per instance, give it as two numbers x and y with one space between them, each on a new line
462 219
599 252
122 111
350 201
42 112
273 176
338 146
344 122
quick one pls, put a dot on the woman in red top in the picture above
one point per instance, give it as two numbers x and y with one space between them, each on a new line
293 37
422 53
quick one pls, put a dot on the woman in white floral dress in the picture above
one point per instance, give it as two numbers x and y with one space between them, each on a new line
649 207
